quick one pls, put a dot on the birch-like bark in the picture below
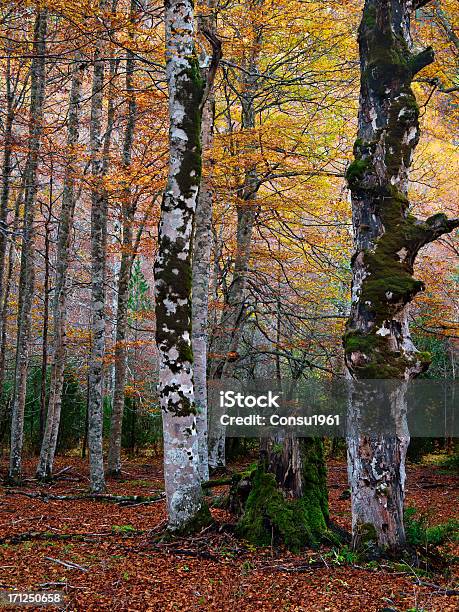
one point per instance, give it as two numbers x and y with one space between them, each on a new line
127 256
5 194
60 303
173 268
201 266
26 281
387 240
5 307
98 264
6 170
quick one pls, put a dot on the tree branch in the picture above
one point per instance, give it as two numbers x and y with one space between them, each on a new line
417 4
435 226
421 60
217 54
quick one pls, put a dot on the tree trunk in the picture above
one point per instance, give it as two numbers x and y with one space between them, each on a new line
201 268
98 254
231 324
5 194
44 349
6 174
49 442
127 257
26 281
387 240
284 500
5 401
173 271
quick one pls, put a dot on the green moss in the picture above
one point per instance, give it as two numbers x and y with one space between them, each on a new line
366 535
390 283
189 176
357 341
378 361
424 357
369 16
202 518
356 171
271 517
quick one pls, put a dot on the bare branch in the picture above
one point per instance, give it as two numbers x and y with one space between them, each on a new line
217 54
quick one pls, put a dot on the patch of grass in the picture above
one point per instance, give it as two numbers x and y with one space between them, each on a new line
123 528
141 483
342 556
419 533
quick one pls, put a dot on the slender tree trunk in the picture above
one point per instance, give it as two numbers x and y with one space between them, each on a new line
173 271
98 264
231 324
127 256
387 240
6 175
49 442
44 350
201 268
5 304
5 194
26 281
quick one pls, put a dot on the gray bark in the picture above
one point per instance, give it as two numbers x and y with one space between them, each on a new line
60 303
231 324
5 194
5 305
387 240
26 281
201 267
98 256
127 256
173 268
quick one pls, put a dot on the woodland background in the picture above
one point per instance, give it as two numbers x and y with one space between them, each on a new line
286 102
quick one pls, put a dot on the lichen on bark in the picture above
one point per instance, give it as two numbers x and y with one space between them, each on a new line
387 237
186 509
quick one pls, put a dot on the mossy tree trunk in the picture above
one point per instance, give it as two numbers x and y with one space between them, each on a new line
387 240
173 269
284 500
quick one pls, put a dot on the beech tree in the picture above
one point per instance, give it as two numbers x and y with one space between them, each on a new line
226 343
202 262
60 305
173 267
27 276
127 257
387 239
99 205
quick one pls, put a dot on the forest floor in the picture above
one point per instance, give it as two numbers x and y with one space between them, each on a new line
104 555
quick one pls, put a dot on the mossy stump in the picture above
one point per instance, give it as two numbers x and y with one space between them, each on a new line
271 514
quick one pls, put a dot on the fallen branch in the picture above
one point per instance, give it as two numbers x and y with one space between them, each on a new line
68 564
439 589
117 499
200 554
46 536
64 585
